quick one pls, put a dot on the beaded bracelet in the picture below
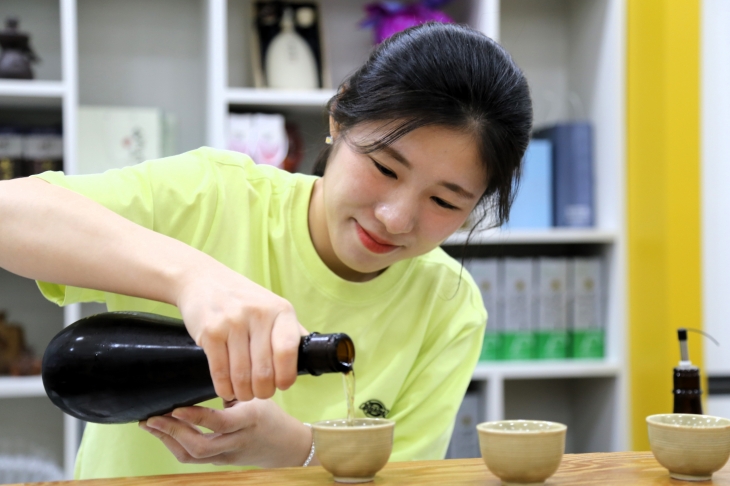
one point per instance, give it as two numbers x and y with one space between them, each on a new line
311 451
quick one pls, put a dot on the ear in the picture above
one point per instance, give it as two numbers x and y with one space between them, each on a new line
334 128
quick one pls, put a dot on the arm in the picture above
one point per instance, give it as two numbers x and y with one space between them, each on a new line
51 233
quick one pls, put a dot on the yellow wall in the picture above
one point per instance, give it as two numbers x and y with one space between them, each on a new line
663 198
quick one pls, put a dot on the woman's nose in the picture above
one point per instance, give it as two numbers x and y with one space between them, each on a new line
398 216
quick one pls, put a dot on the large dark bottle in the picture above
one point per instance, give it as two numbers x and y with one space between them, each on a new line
119 367
687 391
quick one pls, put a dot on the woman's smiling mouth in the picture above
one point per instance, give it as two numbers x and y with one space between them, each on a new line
372 243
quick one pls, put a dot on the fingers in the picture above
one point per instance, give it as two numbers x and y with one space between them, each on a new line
239 416
262 374
175 435
285 337
216 350
240 359
274 354
179 433
250 337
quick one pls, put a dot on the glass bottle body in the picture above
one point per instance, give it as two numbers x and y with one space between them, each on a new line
687 391
120 367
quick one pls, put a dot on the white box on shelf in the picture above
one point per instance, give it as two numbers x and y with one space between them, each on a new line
114 137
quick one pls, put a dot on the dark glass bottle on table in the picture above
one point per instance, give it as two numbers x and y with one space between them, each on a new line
687 390
120 367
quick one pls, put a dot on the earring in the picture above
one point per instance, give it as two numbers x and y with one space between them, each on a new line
328 140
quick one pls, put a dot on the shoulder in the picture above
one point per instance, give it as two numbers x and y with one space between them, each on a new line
207 166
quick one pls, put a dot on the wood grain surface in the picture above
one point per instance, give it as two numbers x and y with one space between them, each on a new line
604 469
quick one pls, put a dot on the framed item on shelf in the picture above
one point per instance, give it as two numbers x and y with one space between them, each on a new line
287 46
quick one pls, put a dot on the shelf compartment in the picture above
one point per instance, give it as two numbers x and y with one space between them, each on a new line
545 369
21 386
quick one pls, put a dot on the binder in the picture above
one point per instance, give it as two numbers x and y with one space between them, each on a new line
552 310
518 339
465 438
485 272
573 199
588 330
532 207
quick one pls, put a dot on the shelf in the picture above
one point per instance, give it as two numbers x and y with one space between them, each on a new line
522 370
21 386
532 237
307 99
31 92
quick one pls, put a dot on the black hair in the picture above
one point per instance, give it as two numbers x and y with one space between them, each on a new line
444 75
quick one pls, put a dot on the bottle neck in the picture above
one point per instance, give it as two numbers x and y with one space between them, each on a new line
325 353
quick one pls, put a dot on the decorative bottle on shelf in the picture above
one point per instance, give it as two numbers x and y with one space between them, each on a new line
17 55
687 392
290 63
119 367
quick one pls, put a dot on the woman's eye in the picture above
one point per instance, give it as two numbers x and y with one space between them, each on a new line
384 170
443 203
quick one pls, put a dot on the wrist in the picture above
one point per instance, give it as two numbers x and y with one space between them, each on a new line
310 456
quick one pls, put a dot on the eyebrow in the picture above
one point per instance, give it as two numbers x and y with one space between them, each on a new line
448 185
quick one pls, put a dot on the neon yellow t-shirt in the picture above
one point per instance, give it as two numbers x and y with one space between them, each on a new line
417 327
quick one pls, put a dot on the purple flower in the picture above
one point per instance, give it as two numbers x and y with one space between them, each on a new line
387 18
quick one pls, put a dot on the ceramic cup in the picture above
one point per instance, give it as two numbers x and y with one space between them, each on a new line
522 451
692 447
353 454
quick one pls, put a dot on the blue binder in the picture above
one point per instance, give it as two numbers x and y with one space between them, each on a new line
532 207
573 200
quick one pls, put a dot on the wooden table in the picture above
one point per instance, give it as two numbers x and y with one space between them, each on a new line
618 468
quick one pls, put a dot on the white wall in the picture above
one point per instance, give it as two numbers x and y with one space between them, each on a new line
715 72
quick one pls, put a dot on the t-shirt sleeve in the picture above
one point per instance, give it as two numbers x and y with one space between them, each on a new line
426 407
171 196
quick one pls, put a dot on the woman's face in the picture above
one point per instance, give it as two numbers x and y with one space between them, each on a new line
372 210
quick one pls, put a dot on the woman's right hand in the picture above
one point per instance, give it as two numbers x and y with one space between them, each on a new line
249 334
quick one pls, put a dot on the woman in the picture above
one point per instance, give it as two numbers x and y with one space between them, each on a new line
429 131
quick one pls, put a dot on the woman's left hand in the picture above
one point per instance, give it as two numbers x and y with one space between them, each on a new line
253 433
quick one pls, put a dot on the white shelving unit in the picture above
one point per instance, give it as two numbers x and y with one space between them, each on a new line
21 386
191 58
26 414
553 236
37 93
314 99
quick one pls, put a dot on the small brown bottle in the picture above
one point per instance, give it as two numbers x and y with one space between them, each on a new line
687 391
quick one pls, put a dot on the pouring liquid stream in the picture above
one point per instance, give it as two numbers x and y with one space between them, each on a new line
348 379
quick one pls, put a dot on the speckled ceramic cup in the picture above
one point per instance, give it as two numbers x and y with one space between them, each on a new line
692 447
522 452
353 454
